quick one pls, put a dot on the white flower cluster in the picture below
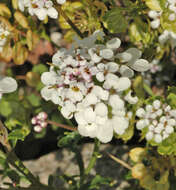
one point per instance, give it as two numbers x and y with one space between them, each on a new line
7 85
88 83
3 35
40 8
160 120
155 15
168 36
171 4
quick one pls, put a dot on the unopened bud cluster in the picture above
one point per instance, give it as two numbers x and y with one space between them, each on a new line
91 82
159 119
40 121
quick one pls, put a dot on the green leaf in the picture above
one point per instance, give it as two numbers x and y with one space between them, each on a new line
18 134
99 180
115 21
154 4
40 68
172 100
5 108
34 100
70 139
138 87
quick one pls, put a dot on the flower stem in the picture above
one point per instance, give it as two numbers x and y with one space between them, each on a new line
124 164
74 27
62 125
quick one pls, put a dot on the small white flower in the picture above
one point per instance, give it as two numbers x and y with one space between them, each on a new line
142 123
149 136
120 124
130 99
158 138
169 129
156 104
140 112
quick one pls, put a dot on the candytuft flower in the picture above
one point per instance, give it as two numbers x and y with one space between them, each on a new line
87 82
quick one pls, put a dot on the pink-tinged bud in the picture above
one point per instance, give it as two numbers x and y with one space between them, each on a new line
34 120
42 116
37 128
43 124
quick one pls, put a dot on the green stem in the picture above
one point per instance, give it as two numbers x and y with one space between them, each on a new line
15 162
35 183
93 158
80 164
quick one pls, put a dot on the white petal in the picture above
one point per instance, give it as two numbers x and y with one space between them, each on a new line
123 84
116 102
61 1
49 78
105 132
106 53
47 92
101 109
120 124
155 23
135 54
90 99
158 138
100 76
41 13
140 65
79 117
52 13
149 136
66 113
125 71
113 43
112 67
7 85
140 112
89 115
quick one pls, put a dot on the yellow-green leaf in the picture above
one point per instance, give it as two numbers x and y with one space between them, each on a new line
4 11
21 19
154 5
29 39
